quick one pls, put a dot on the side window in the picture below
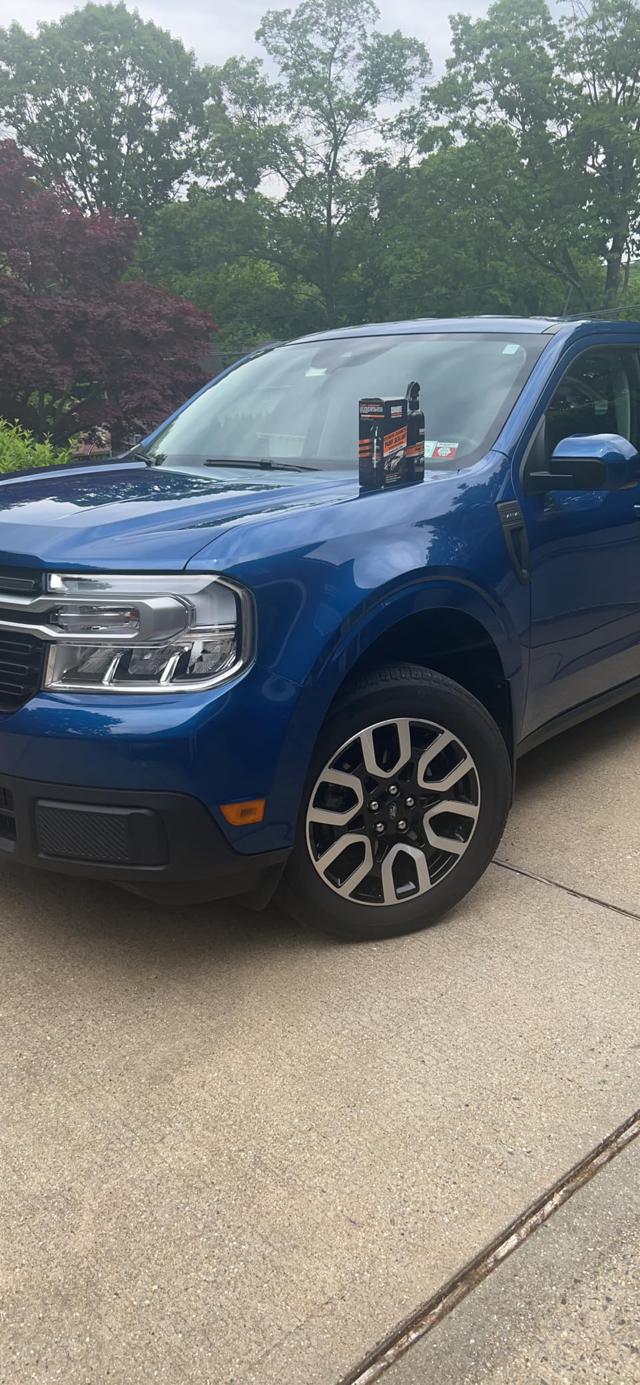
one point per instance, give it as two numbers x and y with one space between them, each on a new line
600 393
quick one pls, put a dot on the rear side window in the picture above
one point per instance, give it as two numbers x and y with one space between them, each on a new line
600 393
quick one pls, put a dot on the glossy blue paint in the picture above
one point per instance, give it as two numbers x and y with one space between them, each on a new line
331 571
131 517
608 448
585 571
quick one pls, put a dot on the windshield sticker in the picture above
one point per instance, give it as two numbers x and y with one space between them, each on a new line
444 451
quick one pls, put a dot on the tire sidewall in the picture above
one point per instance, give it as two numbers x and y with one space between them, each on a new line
419 695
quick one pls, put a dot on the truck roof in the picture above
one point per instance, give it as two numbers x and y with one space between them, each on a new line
489 323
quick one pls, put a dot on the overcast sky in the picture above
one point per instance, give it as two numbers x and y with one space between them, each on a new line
217 30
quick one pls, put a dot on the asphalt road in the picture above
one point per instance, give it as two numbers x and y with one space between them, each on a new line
234 1152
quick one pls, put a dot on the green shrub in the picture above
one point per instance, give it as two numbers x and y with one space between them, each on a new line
19 450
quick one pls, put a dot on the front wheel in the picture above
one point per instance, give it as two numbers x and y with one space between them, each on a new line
406 802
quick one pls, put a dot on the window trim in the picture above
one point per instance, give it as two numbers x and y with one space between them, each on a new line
539 426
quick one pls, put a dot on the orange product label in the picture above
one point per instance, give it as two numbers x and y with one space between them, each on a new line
396 439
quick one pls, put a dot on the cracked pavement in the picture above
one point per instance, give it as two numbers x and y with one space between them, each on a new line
233 1152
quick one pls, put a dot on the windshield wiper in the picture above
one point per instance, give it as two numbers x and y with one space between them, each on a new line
261 463
138 454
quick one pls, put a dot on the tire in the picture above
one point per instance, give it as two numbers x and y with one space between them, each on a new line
456 756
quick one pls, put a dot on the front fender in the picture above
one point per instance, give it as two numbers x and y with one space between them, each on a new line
434 591
342 653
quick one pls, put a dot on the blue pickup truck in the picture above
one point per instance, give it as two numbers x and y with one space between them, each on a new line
226 668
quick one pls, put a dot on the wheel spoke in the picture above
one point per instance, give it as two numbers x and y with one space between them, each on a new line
336 850
453 777
441 742
449 780
335 817
403 730
457 809
423 879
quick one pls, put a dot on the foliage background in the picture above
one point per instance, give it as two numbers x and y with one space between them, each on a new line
334 180
20 451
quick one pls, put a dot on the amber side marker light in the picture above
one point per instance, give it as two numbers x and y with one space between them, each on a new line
240 814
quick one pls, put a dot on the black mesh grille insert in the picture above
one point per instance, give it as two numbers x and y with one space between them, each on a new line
83 836
112 836
21 662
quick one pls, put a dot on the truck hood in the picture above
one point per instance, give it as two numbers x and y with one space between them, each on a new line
133 517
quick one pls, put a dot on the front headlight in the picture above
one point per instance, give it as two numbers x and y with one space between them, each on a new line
146 634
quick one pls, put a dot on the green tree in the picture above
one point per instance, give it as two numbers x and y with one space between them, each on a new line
239 259
554 109
505 94
602 56
441 245
242 127
338 77
107 102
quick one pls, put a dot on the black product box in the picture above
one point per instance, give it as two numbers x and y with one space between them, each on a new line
391 440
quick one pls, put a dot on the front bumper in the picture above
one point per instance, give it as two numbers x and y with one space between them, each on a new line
242 740
165 846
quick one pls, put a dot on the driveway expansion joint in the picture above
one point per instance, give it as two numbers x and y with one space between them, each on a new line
436 1308
568 889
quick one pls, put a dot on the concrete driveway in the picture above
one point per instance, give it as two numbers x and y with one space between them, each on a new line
232 1152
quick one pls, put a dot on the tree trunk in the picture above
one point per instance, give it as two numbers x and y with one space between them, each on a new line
613 282
328 266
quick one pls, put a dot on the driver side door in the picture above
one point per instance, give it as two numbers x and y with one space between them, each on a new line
584 546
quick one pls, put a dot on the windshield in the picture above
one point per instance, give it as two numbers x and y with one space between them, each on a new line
297 405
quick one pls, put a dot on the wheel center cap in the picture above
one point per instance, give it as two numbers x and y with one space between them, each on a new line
399 816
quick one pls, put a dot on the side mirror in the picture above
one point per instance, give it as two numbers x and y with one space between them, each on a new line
589 462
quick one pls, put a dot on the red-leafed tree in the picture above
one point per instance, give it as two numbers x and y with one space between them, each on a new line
81 346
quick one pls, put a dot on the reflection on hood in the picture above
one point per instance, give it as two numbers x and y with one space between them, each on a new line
87 491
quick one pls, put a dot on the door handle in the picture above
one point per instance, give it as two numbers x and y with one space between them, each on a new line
515 534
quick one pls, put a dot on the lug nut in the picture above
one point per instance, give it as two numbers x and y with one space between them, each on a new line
402 826
373 806
379 827
410 802
393 789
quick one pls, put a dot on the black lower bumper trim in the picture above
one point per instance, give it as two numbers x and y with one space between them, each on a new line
165 846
